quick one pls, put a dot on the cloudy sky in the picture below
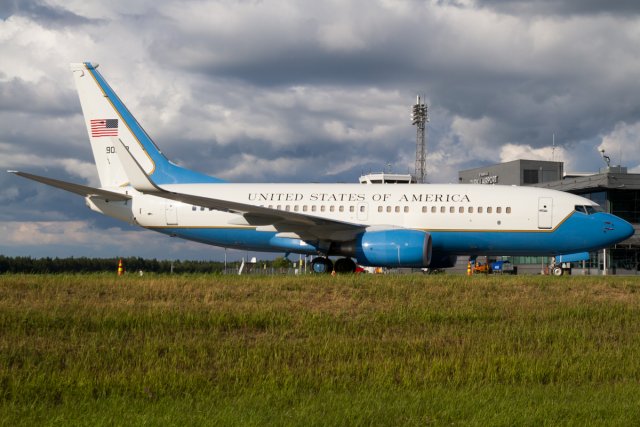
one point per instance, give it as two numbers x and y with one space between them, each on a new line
305 91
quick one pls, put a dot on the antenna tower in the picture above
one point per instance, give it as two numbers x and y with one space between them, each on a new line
419 118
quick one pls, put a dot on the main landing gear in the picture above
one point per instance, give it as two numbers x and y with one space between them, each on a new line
325 265
321 265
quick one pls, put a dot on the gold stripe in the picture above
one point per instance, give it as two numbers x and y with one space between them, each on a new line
422 229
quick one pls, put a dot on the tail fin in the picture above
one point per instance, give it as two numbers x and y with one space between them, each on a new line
106 116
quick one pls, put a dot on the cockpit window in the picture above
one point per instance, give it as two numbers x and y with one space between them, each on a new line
589 210
593 209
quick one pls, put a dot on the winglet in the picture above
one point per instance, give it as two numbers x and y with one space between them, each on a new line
132 169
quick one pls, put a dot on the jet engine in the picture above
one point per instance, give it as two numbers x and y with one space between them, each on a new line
389 248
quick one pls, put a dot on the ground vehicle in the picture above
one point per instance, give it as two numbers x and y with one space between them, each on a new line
500 266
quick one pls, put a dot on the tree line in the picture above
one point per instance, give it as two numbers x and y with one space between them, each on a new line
130 264
93 265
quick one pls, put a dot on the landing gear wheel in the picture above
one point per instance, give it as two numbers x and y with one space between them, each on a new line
557 271
321 265
345 265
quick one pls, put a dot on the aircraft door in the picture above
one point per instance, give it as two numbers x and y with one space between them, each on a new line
363 213
171 213
545 212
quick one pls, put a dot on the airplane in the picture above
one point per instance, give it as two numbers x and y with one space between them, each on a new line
400 225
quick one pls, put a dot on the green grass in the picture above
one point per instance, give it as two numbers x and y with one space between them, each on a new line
360 350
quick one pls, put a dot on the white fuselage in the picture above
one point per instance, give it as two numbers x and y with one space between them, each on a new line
461 218
432 207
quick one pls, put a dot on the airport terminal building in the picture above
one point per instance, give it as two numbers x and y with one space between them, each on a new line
613 188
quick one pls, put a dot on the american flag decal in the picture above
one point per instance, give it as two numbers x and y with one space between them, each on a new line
104 127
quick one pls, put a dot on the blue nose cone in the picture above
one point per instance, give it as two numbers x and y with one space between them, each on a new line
617 229
626 229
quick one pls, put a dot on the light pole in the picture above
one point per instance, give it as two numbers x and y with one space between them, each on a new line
419 118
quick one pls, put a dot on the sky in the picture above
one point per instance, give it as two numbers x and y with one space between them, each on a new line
305 91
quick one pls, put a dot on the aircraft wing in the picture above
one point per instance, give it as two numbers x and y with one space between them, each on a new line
294 224
81 190
303 226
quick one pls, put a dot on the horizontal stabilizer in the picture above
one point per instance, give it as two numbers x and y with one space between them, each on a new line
81 190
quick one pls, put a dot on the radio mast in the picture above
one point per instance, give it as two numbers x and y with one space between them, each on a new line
419 118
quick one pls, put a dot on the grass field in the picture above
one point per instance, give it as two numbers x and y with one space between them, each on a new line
365 350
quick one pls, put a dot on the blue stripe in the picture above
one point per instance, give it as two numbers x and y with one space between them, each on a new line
164 172
579 233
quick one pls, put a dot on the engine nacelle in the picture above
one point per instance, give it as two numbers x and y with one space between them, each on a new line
390 248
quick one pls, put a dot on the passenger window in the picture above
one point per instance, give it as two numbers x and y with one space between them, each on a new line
286 208
351 209
380 209
322 207
279 207
332 208
461 209
313 208
508 210
424 209
499 209
442 209
470 209
433 209
201 208
295 208
194 208
388 208
479 209
304 208
361 208
341 208
397 209
452 209
406 209
489 209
